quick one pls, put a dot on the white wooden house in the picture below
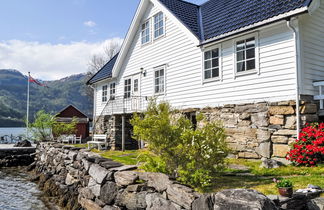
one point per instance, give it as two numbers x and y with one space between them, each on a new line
249 62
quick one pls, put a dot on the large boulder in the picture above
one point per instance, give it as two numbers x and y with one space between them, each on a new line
181 195
158 181
108 192
24 143
155 201
243 199
98 173
125 178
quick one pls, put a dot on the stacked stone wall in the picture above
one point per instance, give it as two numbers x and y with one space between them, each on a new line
75 178
255 130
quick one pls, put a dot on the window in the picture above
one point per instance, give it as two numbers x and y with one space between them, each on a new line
135 85
159 81
211 64
127 88
145 32
112 91
104 93
158 25
245 55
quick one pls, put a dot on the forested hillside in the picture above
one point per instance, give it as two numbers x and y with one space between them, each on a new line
58 95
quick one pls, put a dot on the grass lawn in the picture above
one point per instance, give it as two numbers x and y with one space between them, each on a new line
253 177
261 179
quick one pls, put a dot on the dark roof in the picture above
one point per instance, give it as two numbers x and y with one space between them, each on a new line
105 72
187 12
222 16
71 111
217 17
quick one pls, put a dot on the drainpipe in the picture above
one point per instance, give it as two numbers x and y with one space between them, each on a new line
298 69
94 108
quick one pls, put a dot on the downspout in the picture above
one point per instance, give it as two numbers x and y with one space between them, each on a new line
298 70
94 108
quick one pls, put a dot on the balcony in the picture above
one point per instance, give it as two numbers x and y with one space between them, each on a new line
121 105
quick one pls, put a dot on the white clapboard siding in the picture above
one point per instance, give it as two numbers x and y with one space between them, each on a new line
183 60
312 53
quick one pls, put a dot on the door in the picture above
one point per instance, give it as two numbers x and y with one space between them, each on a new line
136 92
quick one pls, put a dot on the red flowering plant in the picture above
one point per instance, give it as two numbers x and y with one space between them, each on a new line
308 149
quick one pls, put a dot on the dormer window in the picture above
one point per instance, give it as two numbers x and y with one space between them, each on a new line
145 32
158 25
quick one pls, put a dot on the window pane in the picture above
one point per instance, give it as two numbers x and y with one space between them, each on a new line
160 31
215 62
250 65
156 89
240 45
241 67
240 56
207 55
207 74
250 53
207 64
215 72
215 53
162 72
250 43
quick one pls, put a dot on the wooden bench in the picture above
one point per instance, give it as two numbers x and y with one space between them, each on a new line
100 140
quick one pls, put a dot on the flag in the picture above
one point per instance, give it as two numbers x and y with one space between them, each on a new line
30 79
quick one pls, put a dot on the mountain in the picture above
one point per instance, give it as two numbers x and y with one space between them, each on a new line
58 95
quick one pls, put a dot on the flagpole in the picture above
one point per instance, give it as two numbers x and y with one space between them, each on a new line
27 118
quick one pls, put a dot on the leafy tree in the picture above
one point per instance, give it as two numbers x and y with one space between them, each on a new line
188 154
41 128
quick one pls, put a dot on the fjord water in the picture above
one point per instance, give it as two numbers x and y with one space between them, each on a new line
17 193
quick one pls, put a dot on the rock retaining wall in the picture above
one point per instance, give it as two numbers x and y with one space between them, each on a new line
77 179
10 157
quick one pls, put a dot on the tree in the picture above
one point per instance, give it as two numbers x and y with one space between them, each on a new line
97 61
41 128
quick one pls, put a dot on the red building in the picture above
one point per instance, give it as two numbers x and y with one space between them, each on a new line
70 112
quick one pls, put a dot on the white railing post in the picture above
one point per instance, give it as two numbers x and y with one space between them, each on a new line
320 96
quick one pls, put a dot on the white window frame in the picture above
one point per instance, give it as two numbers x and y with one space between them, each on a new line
149 34
128 91
153 25
159 68
257 55
220 62
112 91
104 93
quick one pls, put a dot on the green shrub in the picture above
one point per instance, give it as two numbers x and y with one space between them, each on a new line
283 183
188 154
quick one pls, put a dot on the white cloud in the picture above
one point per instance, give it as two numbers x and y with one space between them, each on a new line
49 61
90 23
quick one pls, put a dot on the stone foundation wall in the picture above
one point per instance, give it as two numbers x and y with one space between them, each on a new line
260 130
263 129
112 126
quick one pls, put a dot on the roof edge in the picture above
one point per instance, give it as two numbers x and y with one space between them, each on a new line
274 19
88 82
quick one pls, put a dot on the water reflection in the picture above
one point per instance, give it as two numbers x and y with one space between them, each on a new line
17 193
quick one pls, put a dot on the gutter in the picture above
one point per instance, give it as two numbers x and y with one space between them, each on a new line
298 69
277 18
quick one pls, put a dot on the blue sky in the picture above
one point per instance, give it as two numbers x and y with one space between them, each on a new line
38 26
